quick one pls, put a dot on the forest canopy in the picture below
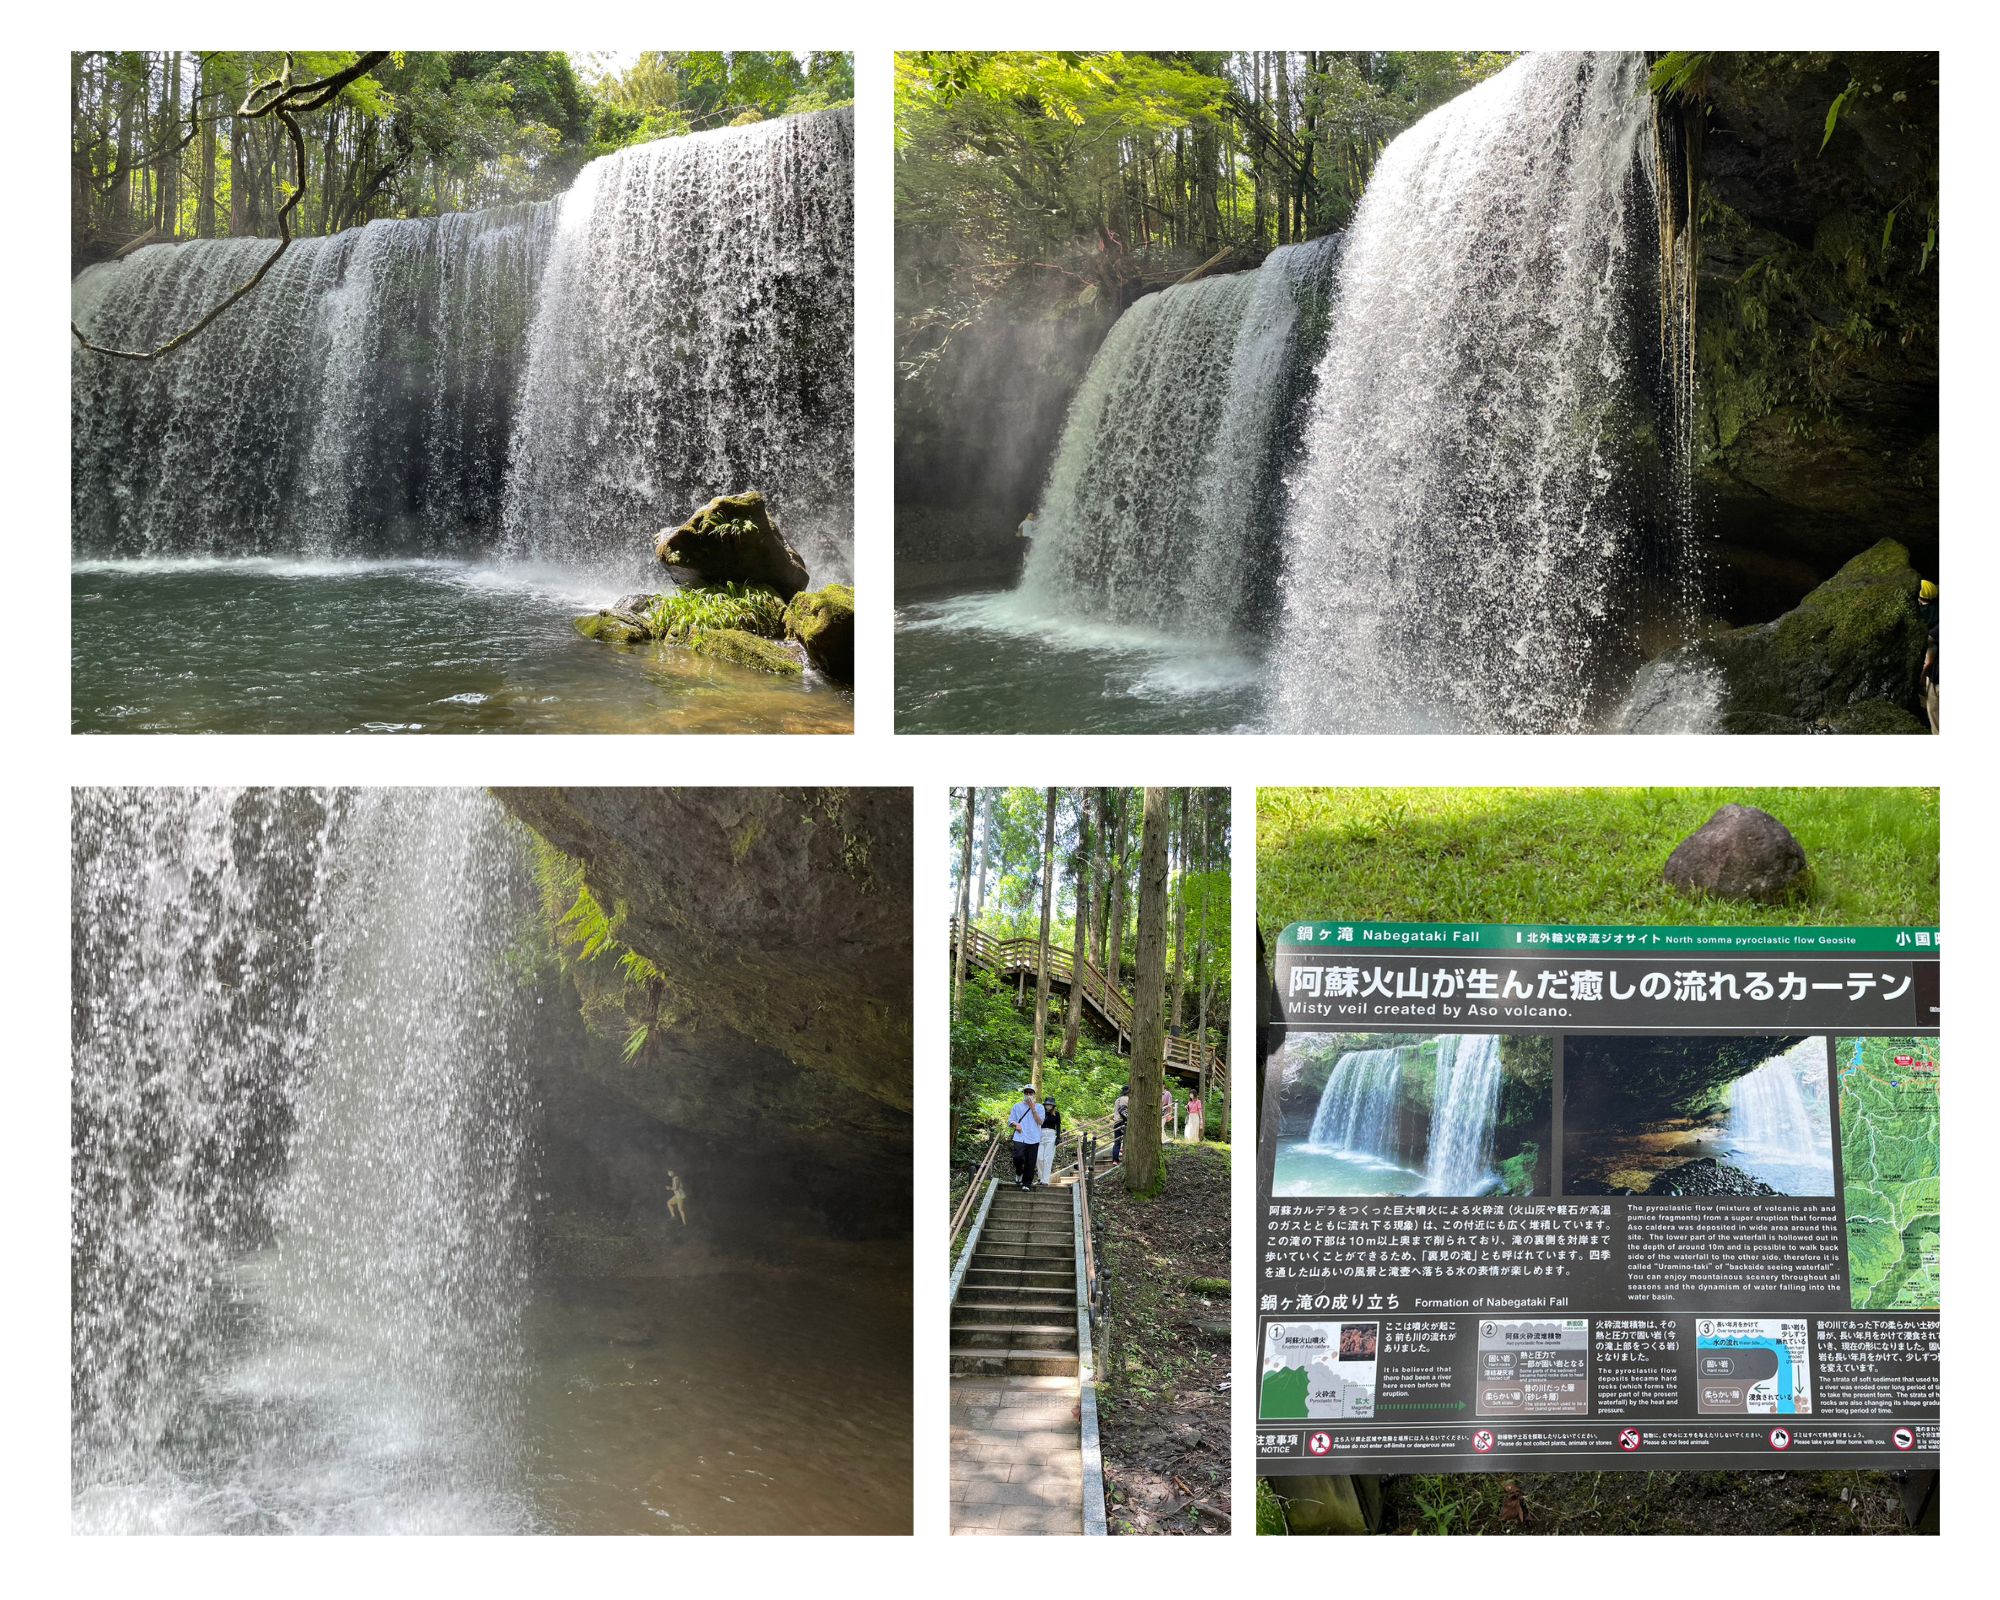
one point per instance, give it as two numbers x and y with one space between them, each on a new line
1026 156
159 149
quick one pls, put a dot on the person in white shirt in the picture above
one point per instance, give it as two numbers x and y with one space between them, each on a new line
1051 1132
1026 1121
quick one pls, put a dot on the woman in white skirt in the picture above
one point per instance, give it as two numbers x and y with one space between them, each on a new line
1051 1132
1192 1127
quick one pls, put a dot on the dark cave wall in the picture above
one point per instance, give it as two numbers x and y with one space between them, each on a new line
1817 317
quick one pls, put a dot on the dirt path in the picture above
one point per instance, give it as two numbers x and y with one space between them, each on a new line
1163 1396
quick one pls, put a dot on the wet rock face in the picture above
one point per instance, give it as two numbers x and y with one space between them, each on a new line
733 539
1707 1176
781 917
1740 853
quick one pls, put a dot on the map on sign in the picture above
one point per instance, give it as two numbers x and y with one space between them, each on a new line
1319 1371
1889 1090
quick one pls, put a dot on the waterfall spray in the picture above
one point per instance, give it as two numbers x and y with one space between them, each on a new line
301 1143
1357 1108
1465 1106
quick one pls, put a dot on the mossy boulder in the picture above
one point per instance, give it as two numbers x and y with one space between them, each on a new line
822 621
733 539
1740 853
745 650
615 627
1848 659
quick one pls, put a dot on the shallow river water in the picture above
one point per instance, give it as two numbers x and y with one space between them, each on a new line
282 646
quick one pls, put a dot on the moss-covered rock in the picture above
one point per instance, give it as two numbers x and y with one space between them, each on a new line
733 539
822 621
745 650
615 627
1848 659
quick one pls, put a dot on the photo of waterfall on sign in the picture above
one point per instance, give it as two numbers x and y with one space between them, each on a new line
1744 1115
1417 392
524 1161
462 392
1455 1114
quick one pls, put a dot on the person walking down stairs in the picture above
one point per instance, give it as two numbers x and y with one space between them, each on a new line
1051 1132
1026 1121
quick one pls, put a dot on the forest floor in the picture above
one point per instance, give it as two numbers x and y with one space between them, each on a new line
1644 1502
1163 1376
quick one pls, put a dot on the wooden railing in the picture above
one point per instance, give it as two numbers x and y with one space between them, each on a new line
975 1189
1018 957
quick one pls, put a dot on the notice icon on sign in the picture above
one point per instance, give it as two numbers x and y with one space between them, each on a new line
1482 1441
1781 1439
1628 1439
1320 1443
1903 1439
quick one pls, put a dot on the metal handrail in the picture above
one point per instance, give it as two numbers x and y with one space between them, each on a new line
975 1188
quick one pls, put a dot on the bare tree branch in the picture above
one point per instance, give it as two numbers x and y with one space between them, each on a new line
285 98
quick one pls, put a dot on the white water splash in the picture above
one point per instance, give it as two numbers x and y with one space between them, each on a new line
1465 1105
1780 1127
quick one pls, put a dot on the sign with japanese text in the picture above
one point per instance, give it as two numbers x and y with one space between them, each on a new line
1546 1198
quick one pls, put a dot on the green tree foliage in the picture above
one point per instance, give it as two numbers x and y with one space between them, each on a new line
157 150
1108 171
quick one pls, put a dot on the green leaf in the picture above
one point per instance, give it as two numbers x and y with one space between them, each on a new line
1833 112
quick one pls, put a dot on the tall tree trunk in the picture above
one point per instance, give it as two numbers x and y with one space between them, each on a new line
1201 963
964 910
1114 921
1080 938
204 202
1180 913
1042 954
1145 1168
985 847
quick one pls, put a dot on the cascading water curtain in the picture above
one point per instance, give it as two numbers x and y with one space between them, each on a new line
1154 510
302 1139
694 336
357 403
558 381
1465 532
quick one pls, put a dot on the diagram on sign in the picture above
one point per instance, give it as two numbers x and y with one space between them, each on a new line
1535 1369
1319 1371
1752 1366
1889 1093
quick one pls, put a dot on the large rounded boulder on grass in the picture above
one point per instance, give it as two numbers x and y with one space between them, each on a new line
822 621
733 539
1740 853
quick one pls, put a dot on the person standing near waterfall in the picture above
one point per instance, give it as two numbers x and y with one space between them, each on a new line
1026 1121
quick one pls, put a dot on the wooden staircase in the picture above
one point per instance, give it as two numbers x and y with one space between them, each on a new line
1109 1005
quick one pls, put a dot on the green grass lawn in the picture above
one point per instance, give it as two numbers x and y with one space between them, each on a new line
1578 855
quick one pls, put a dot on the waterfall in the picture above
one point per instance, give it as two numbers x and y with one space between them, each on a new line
300 1149
1155 507
1466 537
1357 1108
556 380
1464 1107
695 335
1780 1127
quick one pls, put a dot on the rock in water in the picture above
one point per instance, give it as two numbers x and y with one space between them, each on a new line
1740 853
615 627
745 649
1847 659
822 620
732 539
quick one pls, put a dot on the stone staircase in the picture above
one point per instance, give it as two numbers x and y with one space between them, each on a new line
1016 1310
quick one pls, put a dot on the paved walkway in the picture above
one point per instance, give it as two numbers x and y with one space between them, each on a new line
1016 1397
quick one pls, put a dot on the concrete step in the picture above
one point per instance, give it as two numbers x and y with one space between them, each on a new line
1015 1274
1043 1238
979 1295
1016 1336
1037 1311
1039 1363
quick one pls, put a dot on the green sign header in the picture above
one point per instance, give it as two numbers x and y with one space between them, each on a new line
1487 937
